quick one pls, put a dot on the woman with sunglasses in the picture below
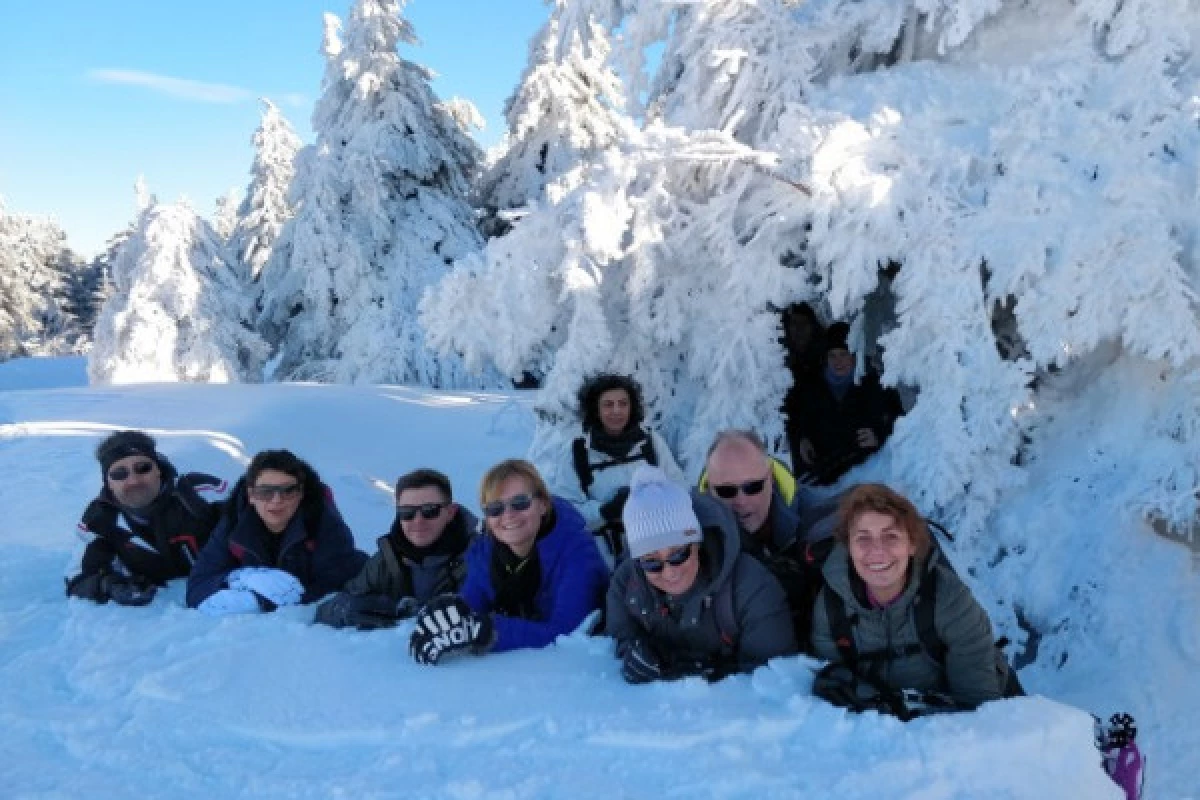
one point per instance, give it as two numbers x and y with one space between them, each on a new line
613 445
686 571
280 542
536 574
868 617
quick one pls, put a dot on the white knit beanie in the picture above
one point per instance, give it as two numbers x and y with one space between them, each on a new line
658 513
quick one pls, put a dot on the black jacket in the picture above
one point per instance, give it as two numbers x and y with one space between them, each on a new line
316 547
177 526
832 425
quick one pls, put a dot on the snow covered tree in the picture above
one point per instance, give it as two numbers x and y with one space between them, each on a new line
382 214
990 219
177 311
35 269
225 214
266 208
567 107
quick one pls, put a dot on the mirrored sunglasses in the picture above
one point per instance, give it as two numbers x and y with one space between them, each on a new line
728 491
118 474
267 493
518 502
675 558
426 510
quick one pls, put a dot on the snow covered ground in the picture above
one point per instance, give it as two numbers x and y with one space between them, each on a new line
163 702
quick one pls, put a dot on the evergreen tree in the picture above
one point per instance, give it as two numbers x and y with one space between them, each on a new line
382 216
35 264
225 215
266 208
177 311
566 109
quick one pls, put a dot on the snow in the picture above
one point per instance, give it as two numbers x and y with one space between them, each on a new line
103 701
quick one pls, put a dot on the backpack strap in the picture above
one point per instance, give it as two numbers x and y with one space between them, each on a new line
841 628
923 611
648 453
583 467
725 616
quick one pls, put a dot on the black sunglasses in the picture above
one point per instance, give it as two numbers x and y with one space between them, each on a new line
427 511
118 474
267 493
675 558
728 491
518 502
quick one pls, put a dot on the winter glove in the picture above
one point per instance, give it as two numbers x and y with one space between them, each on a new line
446 625
128 591
88 587
230 601
641 663
407 607
276 587
612 510
365 612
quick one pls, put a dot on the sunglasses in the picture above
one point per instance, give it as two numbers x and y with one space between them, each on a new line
119 474
519 502
675 558
728 491
426 510
267 493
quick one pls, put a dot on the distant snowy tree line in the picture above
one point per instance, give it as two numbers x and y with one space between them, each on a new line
1003 216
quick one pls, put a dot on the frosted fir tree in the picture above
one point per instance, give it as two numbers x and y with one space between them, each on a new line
567 107
266 208
177 311
35 269
225 214
382 215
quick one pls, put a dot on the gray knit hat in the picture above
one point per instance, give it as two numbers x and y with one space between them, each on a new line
658 513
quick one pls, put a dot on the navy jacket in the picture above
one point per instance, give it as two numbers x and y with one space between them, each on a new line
320 553
574 579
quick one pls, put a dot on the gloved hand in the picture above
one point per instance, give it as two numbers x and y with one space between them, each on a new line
641 663
230 601
365 612
446 625
612 510
128 591
277 587
407 607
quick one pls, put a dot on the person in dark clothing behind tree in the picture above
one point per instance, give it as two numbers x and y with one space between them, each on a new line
535 576
146 526
614 443
280 542
804 344
689 601
422 556
836 424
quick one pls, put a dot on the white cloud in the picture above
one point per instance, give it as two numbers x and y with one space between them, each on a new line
175 87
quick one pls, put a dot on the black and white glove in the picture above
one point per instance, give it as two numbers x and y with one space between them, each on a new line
641 663
275 586
447 625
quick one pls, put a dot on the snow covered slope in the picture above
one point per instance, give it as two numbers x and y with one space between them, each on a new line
163 702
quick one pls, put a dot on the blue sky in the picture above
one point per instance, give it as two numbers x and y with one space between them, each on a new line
95 93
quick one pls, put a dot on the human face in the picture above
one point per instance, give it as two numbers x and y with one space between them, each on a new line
276 508
841 362
880 550
517 529
734 463
614 406
141 484
420 531
673 579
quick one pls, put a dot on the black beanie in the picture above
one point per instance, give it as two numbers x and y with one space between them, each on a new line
836 336
124 444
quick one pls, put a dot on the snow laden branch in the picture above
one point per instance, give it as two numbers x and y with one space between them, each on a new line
663 261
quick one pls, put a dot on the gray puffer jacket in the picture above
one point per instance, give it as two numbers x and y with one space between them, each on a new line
974 669
685 628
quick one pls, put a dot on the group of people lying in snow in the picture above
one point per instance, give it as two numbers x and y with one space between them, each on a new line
707 581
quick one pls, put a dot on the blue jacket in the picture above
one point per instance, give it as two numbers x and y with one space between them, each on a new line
322 558
574 579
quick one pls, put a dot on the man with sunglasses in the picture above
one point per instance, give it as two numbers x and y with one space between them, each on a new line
422 556
147 525
688 601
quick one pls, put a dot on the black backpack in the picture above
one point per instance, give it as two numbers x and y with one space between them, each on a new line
587 470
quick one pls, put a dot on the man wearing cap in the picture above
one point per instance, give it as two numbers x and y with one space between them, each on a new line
836 423
688 601
146 526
